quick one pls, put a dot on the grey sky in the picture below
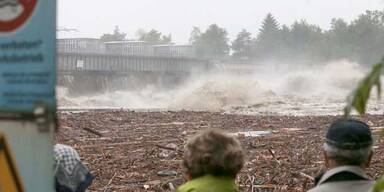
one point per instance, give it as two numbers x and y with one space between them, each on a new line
94 17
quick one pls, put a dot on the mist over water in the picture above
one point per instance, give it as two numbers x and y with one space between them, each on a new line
273 89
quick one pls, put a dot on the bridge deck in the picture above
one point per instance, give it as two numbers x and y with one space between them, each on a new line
101 63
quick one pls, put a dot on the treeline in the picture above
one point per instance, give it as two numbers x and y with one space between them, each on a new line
153 36
361 40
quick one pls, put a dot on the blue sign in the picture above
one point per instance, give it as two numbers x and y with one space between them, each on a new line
27 55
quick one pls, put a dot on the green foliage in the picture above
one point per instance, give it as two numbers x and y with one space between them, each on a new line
340 39
116 36
306 41
359 97
154 37
268 40
212 44
242 45
379 185
269 27
166 39
301 41
195 35
360 40
358 100
367 36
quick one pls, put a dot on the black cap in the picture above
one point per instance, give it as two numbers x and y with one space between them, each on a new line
349 134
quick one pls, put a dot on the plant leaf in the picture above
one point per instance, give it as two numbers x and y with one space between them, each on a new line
359 97
379 185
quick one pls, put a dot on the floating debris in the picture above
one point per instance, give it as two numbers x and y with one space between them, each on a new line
285 159
166 173
250 133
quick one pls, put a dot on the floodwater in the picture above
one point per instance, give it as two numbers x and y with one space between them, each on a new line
269 90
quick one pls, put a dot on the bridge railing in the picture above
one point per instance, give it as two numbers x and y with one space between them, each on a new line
68 62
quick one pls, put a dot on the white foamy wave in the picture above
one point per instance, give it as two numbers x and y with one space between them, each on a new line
332 80
217 92
316 90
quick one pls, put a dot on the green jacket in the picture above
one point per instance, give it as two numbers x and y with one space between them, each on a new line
209 183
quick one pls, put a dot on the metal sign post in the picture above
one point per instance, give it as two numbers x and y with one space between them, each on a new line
27 94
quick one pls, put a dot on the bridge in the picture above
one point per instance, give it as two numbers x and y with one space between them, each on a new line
68 63
95 72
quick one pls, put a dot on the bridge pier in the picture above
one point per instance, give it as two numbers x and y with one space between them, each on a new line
80 84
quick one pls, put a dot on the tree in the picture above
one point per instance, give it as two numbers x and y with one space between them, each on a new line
367 36
242 45
268 39
213 43
195 35
154 37
361 40
139 33
116 36
359 97
166 39
339 37
285 49
269 28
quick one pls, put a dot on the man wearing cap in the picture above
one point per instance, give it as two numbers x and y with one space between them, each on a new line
347 152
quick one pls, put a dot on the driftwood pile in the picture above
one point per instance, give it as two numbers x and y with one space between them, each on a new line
141 151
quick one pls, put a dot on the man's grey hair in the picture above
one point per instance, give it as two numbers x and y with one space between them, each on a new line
356 157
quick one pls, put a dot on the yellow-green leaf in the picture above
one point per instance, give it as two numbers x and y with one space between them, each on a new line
379 185
359 97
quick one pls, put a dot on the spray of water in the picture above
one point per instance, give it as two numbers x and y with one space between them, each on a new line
281 90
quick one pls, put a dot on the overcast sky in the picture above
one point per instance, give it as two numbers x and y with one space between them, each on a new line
92 18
